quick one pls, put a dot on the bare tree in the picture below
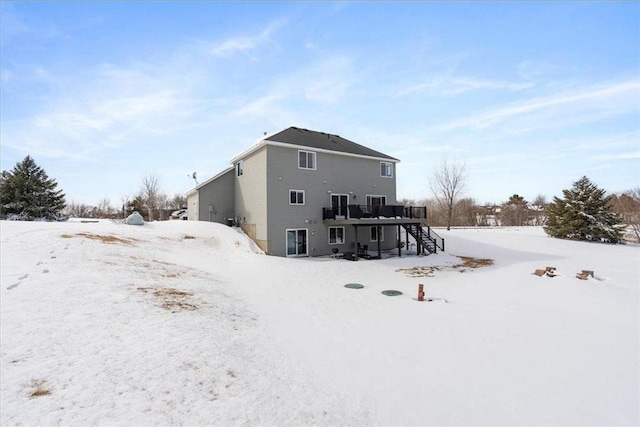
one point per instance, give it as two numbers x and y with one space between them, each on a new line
627 205
80 210
150 191
466 212
162 203
436 216
538 206
447 183
178 202
515 211
104 209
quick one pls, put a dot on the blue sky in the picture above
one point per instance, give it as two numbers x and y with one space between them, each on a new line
531 96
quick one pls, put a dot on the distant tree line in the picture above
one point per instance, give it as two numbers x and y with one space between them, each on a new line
27 193
466 212
149 201
584 213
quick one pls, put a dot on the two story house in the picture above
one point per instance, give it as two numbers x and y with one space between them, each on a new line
300 192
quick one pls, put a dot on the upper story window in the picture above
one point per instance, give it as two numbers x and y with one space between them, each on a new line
386 169
240 168
306 160
296 197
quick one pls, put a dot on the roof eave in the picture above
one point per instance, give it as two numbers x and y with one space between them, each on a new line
322 150
213 178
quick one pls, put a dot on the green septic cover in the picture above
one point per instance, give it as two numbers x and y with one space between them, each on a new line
353 286
391 293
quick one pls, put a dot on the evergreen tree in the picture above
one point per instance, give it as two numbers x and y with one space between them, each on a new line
583 214
28 193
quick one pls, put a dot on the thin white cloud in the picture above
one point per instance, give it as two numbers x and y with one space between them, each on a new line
12 23
327 81
260 106
533 69
618 156
448 85
107 110
323 82
617 98
244 44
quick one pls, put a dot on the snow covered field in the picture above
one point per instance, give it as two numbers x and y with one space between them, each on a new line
187 323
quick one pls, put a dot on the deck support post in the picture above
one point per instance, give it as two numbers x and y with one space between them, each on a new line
355 254
406 236
399 242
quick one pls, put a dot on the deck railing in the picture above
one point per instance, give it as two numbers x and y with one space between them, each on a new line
367 211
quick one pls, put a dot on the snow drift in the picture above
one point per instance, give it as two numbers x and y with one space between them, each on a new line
184 322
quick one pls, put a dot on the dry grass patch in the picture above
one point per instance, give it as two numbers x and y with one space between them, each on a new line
40 389
188 237
104 238
429 271
472 262
172 299
419 271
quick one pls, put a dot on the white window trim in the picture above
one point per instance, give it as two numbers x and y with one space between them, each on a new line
304 197
380 238
315 160
390 169
337 242
286 242
368 197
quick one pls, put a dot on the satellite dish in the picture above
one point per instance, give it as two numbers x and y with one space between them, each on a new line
195 177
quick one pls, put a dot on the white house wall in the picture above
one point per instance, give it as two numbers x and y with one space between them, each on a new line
193 213
251 195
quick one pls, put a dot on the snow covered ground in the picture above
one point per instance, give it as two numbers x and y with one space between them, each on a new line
184 322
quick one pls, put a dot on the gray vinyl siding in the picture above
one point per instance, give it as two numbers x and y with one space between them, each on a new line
218 194
251 193
334 173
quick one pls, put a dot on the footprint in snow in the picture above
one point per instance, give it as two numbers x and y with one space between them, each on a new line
15 285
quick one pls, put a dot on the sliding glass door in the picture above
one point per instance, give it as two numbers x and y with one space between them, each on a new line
297 242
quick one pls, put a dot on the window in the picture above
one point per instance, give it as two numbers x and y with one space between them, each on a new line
297 242
296 197
336 235
240 168
306 160
386 169
374 234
